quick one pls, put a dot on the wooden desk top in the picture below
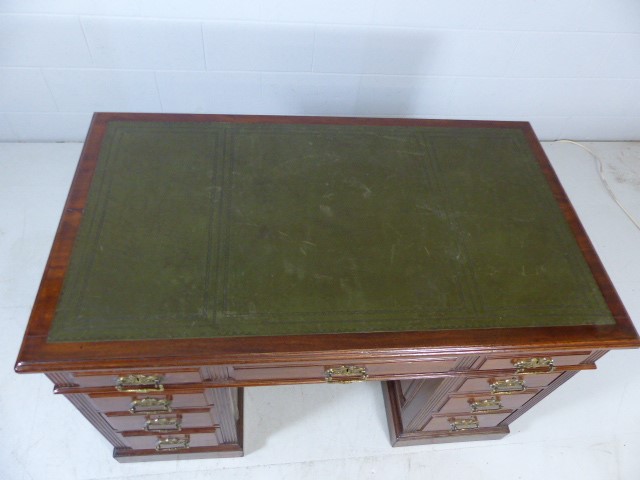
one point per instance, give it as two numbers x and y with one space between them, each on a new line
213 239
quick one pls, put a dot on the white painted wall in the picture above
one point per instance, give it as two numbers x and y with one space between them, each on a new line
570 67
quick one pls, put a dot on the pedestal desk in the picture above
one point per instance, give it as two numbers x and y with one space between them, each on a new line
200 254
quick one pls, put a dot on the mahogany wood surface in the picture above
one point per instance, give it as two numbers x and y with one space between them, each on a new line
444 369
400 437
37 355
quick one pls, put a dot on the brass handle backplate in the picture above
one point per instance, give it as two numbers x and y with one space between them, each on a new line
150 405
172 443
163 424
139 383
345 374
492 403
508 385
458 424
533 365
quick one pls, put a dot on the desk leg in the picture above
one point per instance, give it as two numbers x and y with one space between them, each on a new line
409 421
416 415
225 440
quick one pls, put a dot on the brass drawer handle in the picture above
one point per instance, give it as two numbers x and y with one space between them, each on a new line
172 443
508 385
345 374
458 424
139 383
150 405
492 403
163 424
533 365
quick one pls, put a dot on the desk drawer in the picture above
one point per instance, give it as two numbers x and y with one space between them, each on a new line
136 380
149 403
169 442
279 372
480 403
534 363
453 423
169 422
354 371
411 368
508 384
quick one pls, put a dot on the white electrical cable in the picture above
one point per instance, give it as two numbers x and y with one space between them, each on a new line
603 179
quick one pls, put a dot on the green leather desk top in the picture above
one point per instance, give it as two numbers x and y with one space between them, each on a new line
204 230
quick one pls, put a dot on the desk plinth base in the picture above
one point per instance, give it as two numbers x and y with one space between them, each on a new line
223 439
401 437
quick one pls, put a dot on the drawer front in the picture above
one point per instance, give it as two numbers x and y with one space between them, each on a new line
508 384
464 422
171 442
480 403
342 372
169 422
138 380
284 372
149 403
411 368
534 363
